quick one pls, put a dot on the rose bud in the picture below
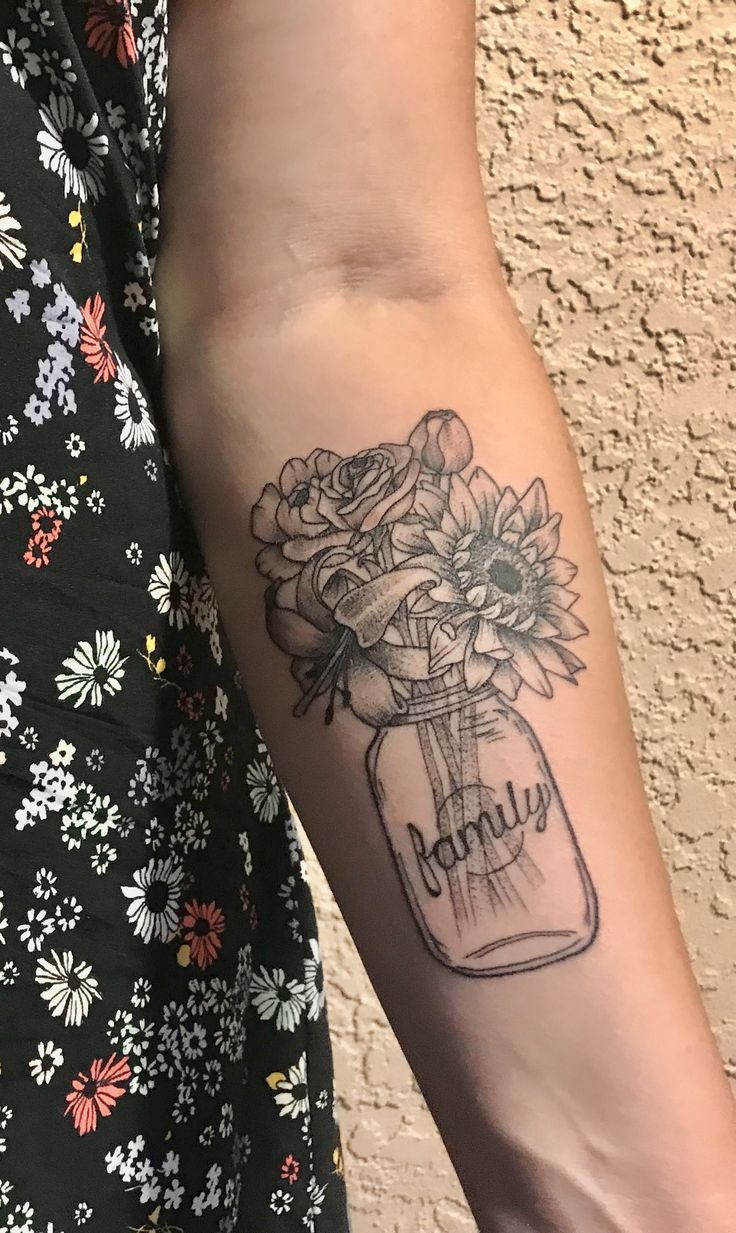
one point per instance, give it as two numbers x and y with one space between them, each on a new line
442 442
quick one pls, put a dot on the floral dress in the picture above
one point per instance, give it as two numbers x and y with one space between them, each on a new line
164 1052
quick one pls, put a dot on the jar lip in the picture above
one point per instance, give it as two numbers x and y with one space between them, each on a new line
443 702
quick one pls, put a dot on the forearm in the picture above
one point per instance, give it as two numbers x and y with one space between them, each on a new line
586 1093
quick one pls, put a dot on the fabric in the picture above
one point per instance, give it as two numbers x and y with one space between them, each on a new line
164 1052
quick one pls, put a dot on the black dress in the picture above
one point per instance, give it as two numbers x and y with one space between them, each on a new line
164 1053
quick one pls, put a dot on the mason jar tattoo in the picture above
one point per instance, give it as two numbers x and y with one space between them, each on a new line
410 588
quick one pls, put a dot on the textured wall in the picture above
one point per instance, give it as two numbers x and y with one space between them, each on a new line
605 129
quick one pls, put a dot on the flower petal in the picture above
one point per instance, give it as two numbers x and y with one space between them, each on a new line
292 633
477 669
368 609
371 697
263 517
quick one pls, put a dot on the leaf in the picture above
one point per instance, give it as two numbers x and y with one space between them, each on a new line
74 218
160 666
150 643
274 1079
184 956
75 252
82 480
368 609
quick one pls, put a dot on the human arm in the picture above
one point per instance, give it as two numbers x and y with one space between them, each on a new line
328 277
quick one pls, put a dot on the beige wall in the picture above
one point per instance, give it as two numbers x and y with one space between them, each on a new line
605 128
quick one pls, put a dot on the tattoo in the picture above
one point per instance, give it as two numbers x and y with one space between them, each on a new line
412 590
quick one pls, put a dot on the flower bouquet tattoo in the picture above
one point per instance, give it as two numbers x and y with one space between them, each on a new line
411 589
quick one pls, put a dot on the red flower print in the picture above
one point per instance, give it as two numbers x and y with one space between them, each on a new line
37 550
95 347
203 923
192 704
290 1169
45 521
97 1093
110 29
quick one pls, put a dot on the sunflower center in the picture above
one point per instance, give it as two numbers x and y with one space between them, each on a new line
201 927
501 571
506 577
75 147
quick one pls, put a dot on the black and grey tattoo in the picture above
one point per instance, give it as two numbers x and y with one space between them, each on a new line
409 588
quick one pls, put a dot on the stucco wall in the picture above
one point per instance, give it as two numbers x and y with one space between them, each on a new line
604 130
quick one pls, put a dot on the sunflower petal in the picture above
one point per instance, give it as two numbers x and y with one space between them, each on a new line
561 571
446 646
560 596
488 642
526 662
534 505
440 541
477 669
546 539
409 537
507 680
486 494
558 659
569 625
462 505
506 507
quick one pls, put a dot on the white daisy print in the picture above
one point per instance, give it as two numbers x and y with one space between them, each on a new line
70 988
290 1091
314 988
264 789
275 997
131 409
47 1061
90 670
153 909
17 56
12 248
169 587
71 147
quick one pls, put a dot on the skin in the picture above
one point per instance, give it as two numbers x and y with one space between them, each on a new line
328 274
